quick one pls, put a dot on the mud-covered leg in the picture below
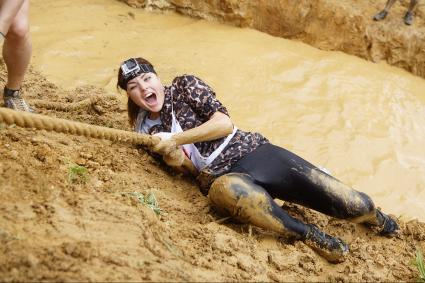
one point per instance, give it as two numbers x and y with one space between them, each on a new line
239 196
322 192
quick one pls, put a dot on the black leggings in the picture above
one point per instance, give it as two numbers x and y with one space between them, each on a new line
273 172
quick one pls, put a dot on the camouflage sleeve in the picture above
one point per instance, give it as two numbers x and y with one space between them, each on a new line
199 96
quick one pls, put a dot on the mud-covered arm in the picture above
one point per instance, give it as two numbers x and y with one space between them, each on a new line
214 118
218 126
176 159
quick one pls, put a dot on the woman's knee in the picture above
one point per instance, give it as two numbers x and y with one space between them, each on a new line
330 196
226 190
362 209
19 30
236 194
355 206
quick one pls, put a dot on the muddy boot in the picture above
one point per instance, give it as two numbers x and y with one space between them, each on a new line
408 18
380 16
333 249
388 226
14 100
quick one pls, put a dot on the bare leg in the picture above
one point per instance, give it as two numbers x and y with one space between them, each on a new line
408 18
389 4
8 11
240 197
412 5
382 14
17 48
17 54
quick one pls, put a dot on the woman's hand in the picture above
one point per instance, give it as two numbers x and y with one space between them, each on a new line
171 153
174 158
166 145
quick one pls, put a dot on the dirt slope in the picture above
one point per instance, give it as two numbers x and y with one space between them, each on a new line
94 228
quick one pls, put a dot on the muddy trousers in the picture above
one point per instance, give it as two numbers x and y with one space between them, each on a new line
270 172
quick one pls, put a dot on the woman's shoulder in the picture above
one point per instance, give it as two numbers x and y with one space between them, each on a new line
186 80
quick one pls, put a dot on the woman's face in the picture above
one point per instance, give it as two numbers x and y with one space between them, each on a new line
147 92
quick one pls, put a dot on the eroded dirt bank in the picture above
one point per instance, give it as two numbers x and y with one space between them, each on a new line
343 25
94 228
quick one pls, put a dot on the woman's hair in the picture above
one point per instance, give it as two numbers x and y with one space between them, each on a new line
132 108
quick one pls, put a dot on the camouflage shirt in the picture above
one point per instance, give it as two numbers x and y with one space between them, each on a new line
194 102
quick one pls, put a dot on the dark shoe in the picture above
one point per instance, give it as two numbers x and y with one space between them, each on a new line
408 18
389 226
14 100
331 248
380 16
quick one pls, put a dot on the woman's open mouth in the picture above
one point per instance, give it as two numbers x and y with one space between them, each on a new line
151 99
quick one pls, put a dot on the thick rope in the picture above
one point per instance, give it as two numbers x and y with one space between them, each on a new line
60 106
42 122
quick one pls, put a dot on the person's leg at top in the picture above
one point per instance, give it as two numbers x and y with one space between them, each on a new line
383 13
408 17
17 48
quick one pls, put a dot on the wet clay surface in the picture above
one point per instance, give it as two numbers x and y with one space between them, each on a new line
93 229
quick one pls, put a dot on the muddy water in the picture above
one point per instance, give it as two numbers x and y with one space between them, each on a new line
362 121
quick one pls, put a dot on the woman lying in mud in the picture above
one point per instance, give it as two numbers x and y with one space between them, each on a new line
242 172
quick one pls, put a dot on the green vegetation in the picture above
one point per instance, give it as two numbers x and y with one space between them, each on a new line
149 200
77 174
419 262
